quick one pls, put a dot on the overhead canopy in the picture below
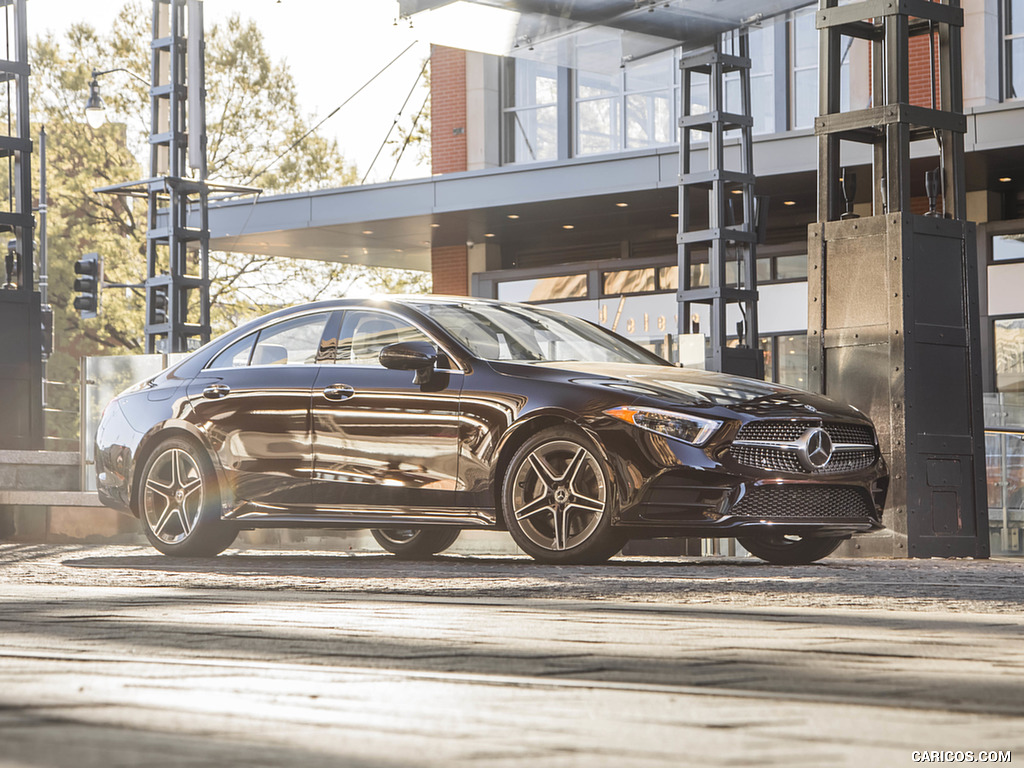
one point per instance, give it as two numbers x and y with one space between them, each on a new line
593 35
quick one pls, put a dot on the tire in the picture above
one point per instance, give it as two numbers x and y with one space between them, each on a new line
779 549
558 500
415 543
179 504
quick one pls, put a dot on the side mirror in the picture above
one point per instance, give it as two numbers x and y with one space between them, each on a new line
419 356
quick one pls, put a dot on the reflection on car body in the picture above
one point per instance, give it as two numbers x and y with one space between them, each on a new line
420 417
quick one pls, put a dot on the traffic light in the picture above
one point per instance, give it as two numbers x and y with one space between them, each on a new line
46 329
88 286
159 301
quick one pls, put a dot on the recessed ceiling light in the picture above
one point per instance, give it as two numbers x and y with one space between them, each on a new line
568 226
367 231
435 226
513 215
1004 179
488 234
737 191
622 205
789 202
674 215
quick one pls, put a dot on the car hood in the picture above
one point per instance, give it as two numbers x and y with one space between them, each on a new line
694 388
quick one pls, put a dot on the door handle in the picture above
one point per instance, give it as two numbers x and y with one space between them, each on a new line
338 392
216 390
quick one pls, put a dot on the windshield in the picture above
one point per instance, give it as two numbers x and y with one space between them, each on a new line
526 334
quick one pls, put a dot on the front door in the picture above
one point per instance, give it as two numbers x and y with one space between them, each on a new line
382 443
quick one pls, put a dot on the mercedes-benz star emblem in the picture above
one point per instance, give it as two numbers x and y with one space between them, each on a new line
814 449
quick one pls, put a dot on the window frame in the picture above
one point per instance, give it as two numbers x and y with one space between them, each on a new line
1006 38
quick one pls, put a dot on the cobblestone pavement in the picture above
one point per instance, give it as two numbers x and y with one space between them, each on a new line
117 656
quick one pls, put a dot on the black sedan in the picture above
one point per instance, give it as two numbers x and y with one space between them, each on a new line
422 417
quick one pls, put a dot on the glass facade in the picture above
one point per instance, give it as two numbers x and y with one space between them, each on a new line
1013 49
628 109
762 76
1008 348
637 106
531 113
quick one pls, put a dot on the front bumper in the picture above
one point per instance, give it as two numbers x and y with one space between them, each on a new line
691 491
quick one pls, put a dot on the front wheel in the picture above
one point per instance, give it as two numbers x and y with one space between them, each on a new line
558 501
415 543
179 505
782 549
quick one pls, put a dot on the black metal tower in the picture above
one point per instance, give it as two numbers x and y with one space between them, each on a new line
719 235
893 325
21 404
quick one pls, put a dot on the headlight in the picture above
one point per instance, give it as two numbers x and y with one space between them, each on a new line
682 426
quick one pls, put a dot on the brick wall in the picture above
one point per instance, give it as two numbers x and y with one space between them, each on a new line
448 265
450 269
447 109
921 71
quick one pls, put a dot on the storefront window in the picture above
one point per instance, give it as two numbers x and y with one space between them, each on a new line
1008 247
791 267
1009 354
544 288
792 360
531 111
628 281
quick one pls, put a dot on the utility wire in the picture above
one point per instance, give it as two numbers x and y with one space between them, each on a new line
395 122
409 136
329 116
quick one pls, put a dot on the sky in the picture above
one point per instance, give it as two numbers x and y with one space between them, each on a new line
332 48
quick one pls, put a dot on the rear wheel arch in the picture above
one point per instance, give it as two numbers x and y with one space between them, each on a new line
150 443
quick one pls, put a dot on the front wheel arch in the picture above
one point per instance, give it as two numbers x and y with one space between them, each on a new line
521 431
563 477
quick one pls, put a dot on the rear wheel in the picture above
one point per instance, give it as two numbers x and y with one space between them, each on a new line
415 543
179 504
782 549
558 500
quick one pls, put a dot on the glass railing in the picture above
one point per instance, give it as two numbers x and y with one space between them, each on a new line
1004 469
102 379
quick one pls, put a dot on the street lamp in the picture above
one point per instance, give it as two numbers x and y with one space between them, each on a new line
95 108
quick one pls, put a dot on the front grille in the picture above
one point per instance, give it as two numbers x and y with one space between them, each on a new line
787 431
810 501
772 458
781 460
857 434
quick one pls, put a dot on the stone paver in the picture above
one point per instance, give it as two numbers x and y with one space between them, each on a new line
113 655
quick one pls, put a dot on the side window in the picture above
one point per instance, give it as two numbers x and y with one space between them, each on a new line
236 355
293 342
364 333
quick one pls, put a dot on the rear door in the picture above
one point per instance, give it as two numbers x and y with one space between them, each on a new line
252 402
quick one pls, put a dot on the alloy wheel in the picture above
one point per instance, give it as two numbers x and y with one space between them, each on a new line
559 496
173 496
